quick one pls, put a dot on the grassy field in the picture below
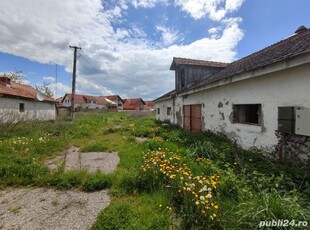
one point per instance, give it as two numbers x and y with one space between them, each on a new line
174 180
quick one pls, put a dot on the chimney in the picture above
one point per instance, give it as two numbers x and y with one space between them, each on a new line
301 29
5 81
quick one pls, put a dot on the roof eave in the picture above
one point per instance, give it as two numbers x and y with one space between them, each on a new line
267 69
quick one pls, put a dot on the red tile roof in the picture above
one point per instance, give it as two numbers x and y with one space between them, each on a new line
83 99
21 90
133 103
149 103
114 97
80 99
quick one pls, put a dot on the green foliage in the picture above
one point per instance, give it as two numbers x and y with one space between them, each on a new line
120 217
251 187
97 181
269 206
203 149
96 147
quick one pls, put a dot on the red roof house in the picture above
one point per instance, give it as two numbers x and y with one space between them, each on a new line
20 102
133 104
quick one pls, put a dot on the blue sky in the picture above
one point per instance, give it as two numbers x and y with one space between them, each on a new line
128 46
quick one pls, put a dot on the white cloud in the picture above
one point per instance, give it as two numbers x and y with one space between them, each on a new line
214 9
169 36
59 89
114 59
146 3
233 5
49 79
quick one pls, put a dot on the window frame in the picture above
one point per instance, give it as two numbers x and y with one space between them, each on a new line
21 107
244 114
169 111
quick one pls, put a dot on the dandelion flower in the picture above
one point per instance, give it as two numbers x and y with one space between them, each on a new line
197 202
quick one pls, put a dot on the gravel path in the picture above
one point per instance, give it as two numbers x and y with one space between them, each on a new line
42 208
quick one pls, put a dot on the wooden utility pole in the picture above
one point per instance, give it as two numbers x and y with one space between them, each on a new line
73 79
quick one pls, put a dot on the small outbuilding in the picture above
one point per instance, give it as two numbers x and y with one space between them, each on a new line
20 102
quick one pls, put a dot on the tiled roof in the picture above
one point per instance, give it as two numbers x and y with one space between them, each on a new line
114 97
133 103
290 47
149 103
83 99
186 61
167 95
80 99
23 91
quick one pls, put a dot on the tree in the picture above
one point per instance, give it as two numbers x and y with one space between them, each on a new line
16 76
44 88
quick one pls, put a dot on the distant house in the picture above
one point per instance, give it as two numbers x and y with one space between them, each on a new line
133 104
19 102
116 99
88 102
249 99
149 105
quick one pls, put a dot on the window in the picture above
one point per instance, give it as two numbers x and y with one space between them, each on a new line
158 110
247 114
168 110
21 107
182 78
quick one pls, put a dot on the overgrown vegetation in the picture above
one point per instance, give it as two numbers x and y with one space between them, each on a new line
173 180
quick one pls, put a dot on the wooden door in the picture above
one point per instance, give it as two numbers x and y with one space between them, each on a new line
192 118
195 118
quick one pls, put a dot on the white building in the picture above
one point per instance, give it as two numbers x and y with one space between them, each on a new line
249 99
88 102
19 102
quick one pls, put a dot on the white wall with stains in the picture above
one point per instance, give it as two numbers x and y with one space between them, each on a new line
288 87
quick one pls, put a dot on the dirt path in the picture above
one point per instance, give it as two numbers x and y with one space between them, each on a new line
42 208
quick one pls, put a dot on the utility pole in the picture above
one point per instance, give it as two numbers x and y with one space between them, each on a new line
73 79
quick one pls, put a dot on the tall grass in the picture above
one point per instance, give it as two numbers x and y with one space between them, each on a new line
249 187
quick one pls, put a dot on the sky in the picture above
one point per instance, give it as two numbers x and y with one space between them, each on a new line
128 45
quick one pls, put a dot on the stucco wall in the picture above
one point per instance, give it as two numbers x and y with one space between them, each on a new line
284 88
162 105
9 110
